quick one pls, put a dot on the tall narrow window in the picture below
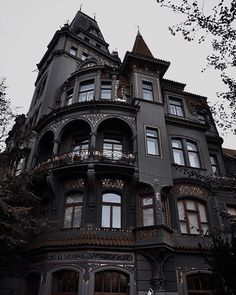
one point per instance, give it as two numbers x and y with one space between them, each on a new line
193 154
176 107
73 50
112 149
86 91
192 217
106 90
111 210
152 142
69 97
178 152
147 210
214 165
73 210
147 91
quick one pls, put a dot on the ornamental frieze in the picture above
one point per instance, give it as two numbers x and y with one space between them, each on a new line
113 183
183 190
78 183
94 118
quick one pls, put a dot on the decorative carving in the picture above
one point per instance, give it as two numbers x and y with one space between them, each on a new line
180 271
158 283
148 234
182 190
94 118
58 124
113 183
77 183
131 120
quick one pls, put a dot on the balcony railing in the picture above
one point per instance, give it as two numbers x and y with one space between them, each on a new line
88 155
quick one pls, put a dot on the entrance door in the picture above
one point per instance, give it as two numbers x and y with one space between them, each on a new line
111 283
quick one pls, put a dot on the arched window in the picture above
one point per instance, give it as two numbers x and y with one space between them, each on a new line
65 282
73 210
111 282
192 216
199 283
111 210
32 284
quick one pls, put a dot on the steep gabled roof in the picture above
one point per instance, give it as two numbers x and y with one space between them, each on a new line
140 46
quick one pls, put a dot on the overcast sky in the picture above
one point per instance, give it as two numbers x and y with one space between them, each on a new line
27 26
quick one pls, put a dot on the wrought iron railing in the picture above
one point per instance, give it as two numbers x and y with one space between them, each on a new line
88 155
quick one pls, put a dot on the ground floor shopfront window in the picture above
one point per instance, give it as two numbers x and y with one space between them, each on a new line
111 282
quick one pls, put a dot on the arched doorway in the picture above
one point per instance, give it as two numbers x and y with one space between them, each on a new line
65 282
111 282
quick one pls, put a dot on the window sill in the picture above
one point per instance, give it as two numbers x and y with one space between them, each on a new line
177 166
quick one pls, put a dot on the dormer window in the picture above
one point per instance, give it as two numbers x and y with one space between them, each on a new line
147 91
176 107
86 91
73 50
84 56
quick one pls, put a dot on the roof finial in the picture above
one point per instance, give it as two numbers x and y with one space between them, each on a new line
94 15
138 27
80 8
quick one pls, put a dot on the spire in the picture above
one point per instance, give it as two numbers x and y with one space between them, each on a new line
140 47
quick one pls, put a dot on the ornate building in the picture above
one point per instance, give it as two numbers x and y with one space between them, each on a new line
124 208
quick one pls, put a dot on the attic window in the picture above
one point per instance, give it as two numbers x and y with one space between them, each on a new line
84 55
73 50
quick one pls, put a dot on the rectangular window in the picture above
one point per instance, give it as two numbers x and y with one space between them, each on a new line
106 90
112 149
147 91
152 142
176 107
84 56
86 91
193 154
192 217
147 210
178 152
73 210
111 210
214 164
73 50
69 97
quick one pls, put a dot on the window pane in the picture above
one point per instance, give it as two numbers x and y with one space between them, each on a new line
106 94
77 215
86 86
148 217
147 95
106 216
151 133
147 201
111 198
176 143
68 217
183 228
190 205
116 217
202 212
193 160
193 223
191 146
181 210
152 146
178 157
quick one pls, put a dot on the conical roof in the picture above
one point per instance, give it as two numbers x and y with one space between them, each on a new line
140 46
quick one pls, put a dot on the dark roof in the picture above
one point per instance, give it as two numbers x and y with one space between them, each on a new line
140 46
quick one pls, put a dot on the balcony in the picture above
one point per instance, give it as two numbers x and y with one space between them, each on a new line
85 156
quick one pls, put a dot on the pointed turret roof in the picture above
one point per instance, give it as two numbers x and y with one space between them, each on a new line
140 46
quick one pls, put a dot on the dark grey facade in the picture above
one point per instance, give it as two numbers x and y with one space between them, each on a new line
124 208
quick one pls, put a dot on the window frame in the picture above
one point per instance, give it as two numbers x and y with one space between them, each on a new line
143 207
214 164
194 276
196 211
147 90
114 152
111 206
69 96
158 141
72 205
104 87
86 91
73 50
187 152
179 106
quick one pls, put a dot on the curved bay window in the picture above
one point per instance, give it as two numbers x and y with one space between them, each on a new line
112 149
111 210
73 210
111 282
199 283
65 282
192 217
